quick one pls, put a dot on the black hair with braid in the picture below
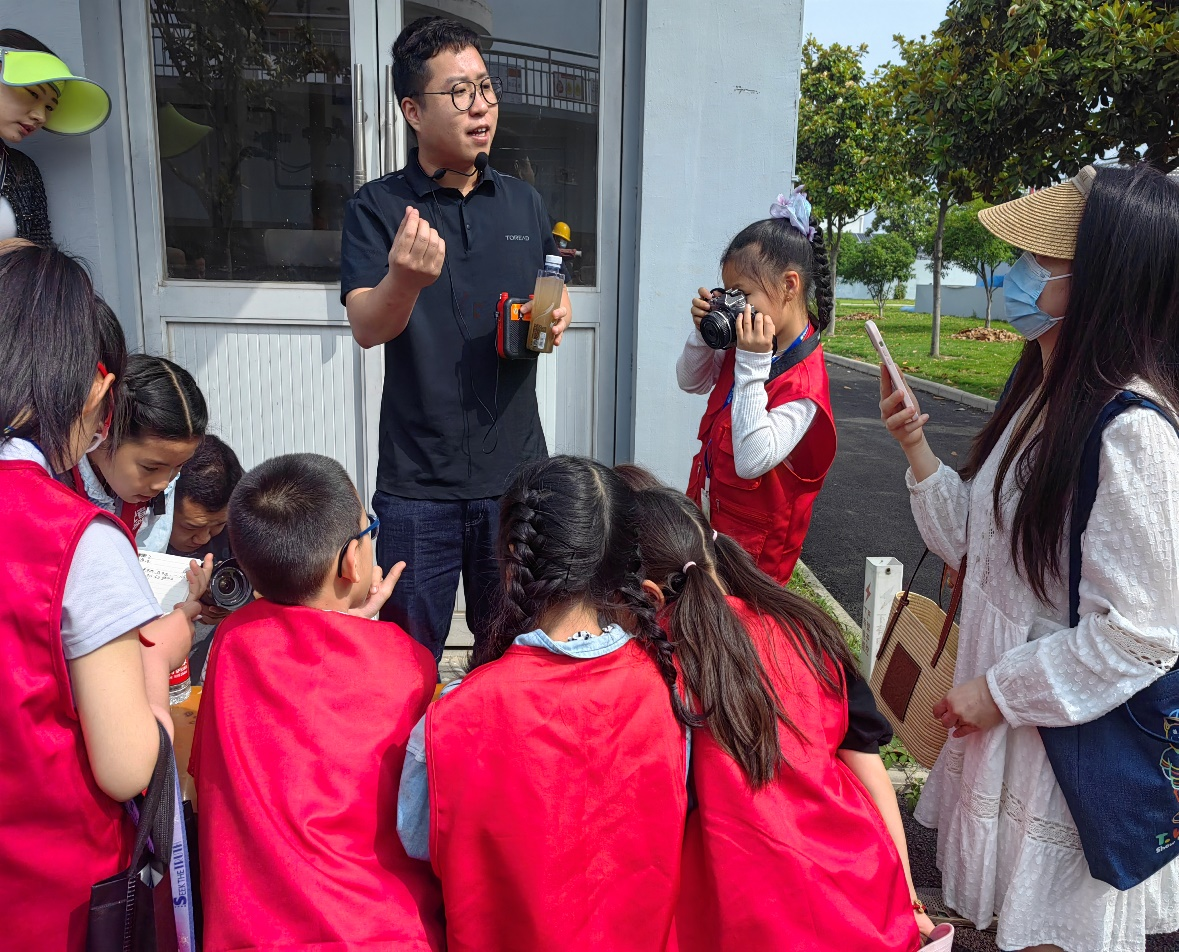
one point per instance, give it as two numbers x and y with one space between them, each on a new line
767 249
568 536
722 668
158 398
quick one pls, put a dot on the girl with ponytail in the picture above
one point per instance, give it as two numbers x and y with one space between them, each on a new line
159 420
784 848
548 789
767 438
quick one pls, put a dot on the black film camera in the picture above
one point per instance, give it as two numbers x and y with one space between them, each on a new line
719 326
229 588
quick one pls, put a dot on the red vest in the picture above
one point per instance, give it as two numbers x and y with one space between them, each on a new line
297 755
805 863
59 833
557 801
768 516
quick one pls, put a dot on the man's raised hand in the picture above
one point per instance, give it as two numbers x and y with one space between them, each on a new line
418 252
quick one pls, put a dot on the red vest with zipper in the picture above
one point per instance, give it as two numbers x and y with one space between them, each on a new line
557 802
59 833
805 863
297 756
769 515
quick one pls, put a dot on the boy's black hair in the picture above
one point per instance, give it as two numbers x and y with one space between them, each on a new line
20 40
419 43
54 331
288 519
158 398
210 477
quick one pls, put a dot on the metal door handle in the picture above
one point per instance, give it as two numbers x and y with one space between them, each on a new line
389 133
359 128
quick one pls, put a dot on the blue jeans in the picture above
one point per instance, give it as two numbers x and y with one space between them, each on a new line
439 541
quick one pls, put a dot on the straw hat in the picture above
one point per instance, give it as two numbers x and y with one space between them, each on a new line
1044 222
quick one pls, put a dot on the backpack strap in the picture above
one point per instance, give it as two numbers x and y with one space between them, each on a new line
1086 491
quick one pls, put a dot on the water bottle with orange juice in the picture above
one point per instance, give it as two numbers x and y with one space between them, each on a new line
550 286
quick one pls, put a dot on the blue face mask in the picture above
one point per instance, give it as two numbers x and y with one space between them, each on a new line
1022 287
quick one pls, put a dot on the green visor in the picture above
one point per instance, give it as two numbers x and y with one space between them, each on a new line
82 105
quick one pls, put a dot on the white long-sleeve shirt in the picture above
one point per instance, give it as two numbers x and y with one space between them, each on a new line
762 438
1007 843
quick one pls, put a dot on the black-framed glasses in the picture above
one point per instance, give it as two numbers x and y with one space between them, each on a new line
463 94
371 529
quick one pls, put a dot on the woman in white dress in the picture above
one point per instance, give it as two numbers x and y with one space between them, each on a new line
1097 296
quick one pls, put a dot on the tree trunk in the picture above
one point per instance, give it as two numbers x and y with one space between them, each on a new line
990 290
935 342
833 261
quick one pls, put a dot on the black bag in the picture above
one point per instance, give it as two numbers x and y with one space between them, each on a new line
132 911
1120 773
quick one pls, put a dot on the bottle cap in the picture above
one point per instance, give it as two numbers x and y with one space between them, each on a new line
552 261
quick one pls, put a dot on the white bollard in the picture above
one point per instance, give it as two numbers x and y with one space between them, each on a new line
883 580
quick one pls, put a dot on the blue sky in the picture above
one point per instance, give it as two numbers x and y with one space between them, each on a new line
874 22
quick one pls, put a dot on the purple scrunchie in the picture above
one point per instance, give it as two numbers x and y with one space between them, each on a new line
797 210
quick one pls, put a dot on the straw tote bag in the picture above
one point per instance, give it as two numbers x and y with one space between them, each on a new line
915 667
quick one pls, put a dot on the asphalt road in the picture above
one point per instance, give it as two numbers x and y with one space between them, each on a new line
863 509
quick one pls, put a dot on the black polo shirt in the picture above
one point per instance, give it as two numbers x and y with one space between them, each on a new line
455 418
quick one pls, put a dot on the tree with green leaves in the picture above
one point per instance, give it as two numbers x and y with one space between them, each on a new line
843 132
880 264
969 245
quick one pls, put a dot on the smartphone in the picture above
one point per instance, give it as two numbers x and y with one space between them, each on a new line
898 382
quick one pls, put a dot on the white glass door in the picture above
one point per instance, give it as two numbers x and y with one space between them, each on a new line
256 121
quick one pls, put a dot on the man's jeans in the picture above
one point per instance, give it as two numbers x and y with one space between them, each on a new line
439 540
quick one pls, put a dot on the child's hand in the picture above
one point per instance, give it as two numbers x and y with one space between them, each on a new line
755 332
924 924
905 425
379 592
701 306
199 575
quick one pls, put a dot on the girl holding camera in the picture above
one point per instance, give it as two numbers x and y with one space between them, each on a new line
767 438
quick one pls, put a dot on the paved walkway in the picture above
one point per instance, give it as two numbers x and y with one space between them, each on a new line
863 509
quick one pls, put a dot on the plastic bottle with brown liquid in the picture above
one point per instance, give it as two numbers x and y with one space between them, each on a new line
550 285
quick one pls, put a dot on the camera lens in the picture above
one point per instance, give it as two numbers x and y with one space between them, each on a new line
719 327
230 588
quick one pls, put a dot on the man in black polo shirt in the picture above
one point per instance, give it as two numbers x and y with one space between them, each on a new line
426 253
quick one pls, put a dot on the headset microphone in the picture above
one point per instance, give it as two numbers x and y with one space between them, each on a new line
480 164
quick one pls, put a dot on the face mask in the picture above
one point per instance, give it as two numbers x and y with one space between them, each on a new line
1022 287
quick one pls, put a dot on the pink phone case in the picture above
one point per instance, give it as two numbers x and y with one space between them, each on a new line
877 340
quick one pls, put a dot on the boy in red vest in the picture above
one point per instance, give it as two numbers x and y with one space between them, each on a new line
307 708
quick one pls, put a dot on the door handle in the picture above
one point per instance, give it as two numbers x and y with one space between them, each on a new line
359 129
389 133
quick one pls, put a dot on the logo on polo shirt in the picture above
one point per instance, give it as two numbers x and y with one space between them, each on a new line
516 237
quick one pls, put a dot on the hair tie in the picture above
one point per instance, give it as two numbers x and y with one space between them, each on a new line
688 565
797 210
715 535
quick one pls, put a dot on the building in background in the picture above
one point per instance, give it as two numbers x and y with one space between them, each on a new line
210 204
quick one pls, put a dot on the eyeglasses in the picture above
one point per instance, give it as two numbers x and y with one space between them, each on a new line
371 529
463 94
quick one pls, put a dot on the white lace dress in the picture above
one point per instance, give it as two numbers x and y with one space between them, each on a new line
1007 844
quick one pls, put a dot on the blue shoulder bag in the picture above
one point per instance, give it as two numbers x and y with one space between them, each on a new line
1119 773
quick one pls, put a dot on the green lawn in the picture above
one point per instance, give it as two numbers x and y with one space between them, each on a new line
979 367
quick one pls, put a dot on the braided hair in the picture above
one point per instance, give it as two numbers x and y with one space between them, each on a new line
768 248
157 398
569 536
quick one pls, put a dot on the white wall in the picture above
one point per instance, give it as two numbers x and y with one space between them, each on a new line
695 195
88 178
962 302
